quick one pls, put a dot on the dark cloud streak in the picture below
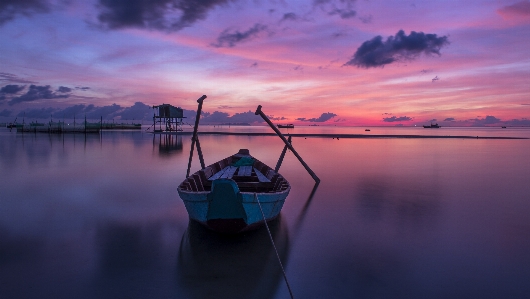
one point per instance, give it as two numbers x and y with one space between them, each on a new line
37 93
290 16
342 8
163 15
397 119
228 39
9 9
323 117
7 77
12 89
521 8
343 13
218 117
64 89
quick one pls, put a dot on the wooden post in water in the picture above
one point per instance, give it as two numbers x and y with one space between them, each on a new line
194 137
266 119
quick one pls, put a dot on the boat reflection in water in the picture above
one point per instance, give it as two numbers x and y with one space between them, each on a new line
213 265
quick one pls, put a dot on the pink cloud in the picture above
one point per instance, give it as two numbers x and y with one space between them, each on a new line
519 11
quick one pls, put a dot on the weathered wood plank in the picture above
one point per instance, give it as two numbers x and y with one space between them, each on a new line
229 172
198 182
217 174
261 177
245 170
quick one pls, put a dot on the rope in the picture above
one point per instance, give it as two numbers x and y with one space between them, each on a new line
273 245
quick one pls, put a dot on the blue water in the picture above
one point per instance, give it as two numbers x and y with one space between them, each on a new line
98 216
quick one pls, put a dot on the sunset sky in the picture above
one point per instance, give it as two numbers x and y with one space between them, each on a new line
349 62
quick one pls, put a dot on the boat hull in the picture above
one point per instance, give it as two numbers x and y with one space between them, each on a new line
198 206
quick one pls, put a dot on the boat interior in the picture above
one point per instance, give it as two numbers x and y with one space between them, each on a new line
250 175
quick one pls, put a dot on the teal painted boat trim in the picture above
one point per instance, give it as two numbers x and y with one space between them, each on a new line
225 201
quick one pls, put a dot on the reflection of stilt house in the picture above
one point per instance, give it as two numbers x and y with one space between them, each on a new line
169 118
168 144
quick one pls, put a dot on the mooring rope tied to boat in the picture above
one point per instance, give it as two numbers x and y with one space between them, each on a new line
274 246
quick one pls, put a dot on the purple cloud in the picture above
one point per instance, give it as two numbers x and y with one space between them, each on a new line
342 8
64 89
223 117
37 93
164 15
11 89
343 13
377 53
519 9
7 77
230 39
395 119
324 117
290 16
9 9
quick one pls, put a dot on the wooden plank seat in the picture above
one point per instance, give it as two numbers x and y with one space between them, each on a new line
229 172
249 179
261 177
225 173
217 175
245 171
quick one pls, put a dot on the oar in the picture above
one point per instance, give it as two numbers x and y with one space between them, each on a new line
280 160
266 119
194 138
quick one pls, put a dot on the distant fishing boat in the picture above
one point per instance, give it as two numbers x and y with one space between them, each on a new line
287 126
432 126
12 125
224 196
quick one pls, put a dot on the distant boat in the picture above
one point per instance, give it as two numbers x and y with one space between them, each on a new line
223 196
432 126
288 126
504 127
13 124
36 124
367 130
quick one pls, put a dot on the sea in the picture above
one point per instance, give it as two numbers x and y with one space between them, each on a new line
99 216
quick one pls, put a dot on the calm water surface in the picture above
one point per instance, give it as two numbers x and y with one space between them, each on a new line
99 217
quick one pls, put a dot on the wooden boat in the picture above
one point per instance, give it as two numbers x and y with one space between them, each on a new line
234 194
287 126
432 126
